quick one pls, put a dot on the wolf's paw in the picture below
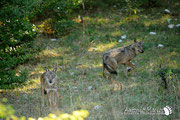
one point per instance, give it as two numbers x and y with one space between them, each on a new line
129 69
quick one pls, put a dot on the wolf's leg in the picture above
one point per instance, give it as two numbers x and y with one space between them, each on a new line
113 63
42 99
131 65
48 99
42 95
124 70
110 76
103 72
57 100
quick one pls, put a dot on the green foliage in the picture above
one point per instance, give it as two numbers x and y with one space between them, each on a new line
63 26
58 15
16 36
46 27
57 9
12 79
123 3
7 112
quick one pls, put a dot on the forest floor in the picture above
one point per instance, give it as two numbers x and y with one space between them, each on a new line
79 59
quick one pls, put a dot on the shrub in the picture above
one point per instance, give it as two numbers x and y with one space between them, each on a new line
7 113
5 110
46 27
63 26
16 38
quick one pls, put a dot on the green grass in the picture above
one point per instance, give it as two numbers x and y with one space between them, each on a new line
79 54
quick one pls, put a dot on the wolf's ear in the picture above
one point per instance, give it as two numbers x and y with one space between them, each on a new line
46 69
55 69
142 41
135 40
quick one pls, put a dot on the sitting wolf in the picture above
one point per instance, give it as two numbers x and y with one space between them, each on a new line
122 55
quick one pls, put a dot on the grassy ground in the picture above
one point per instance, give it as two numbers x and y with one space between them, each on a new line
79 54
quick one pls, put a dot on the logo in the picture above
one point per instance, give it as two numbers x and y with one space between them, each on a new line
167 110
149 111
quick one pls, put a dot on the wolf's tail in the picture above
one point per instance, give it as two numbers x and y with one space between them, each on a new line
109 68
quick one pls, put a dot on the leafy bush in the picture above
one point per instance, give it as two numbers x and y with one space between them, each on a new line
57 9
16 38
57 15
13 79
7 112
46 27
63 26
131 4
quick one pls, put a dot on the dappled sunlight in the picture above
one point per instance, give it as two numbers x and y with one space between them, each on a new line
125 20
168 60
116 33
117 85
82 66
103 20
87 65
89 19
97 65
77 20
121 86
49 53
35 74
28 89
161 20
132 85
131 18
102 47
94 20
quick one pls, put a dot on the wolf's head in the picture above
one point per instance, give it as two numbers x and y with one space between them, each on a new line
50 76
138 46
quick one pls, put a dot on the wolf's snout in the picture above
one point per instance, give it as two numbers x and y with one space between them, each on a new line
50 81
142 51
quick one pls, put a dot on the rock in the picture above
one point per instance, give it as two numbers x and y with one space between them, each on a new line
171 26
123 37
168 20
120 40
152 33
178 25
160 46
74 87
128 68
167 11
90 88
53 39
96 107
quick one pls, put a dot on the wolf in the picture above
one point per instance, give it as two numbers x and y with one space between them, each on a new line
49 87
122 55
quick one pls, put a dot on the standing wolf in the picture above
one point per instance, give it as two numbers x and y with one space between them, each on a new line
49 86
122 55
